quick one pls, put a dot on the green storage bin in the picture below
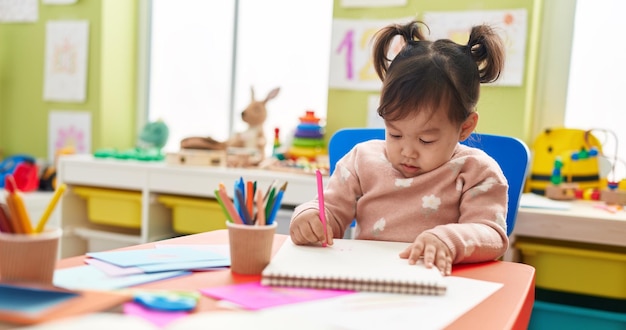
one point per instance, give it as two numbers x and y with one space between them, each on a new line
550 316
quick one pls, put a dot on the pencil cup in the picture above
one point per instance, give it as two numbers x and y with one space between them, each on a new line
29 257
250 247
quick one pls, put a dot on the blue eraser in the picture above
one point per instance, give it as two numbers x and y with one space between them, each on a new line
166 302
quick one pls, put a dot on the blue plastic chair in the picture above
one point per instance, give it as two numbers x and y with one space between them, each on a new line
511 153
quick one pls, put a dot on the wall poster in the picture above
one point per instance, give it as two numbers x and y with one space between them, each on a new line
65 75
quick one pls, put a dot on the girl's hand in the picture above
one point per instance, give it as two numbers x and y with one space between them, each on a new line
434 251
307 229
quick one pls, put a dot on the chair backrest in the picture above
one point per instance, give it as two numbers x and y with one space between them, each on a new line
512 155
346 138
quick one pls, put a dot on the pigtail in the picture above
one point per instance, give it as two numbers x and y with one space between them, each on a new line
409 32
486 48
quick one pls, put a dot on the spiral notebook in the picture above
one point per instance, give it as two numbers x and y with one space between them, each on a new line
358 265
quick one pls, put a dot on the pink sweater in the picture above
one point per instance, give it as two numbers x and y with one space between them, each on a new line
463 202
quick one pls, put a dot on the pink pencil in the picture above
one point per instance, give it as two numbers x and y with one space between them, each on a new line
260 209
320 199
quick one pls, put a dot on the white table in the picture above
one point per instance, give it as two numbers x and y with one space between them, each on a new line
583 222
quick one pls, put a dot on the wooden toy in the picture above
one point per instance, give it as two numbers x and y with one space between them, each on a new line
559 190
252 139
573 189
614 197
564 191
197 157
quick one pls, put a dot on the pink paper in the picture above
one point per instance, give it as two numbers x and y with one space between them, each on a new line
255 296
158 318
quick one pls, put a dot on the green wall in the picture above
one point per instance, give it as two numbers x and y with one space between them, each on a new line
110 77
503 110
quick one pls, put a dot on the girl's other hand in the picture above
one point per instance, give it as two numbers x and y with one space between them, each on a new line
307 229
433 250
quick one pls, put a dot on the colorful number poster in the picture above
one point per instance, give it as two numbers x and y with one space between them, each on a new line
66 61
351 53
511 24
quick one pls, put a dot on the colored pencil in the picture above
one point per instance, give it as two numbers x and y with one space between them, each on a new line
260 209
269 203
16 223
267 192
230 207
235 200
19 215
320 199
246 217
250 197
242 186
53 202
277 201
219 201
5 221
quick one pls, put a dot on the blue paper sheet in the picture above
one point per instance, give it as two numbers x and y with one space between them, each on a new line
130 258
91 278
187 265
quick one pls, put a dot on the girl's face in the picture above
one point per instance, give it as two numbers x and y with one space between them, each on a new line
423 142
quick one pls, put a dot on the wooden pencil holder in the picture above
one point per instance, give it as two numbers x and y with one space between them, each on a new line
29 258
616 197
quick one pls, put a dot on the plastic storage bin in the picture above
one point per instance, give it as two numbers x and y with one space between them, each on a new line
576 267
548 315
98 241
112 206
192 215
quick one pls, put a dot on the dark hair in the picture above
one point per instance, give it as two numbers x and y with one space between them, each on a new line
428 75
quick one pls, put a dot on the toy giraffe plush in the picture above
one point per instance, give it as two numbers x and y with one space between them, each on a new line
254 115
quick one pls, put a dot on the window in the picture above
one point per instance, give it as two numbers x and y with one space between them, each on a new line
598 75
206 55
